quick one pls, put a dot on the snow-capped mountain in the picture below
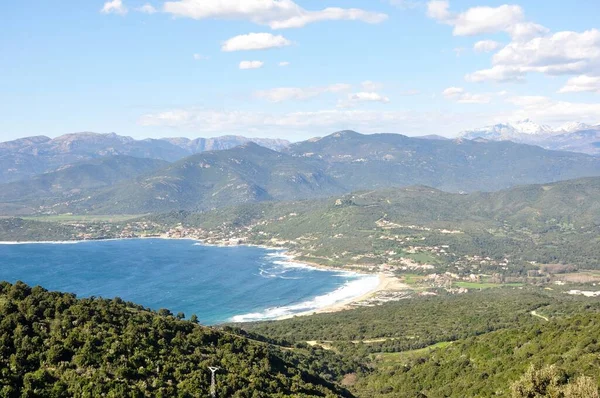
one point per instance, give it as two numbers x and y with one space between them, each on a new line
572 127
572 136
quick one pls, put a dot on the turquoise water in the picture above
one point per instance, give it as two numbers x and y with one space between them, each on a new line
218 284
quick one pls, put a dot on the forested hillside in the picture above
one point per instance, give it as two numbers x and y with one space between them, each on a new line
472 345
55 345
70 180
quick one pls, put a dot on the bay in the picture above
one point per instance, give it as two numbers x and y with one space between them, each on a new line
218 284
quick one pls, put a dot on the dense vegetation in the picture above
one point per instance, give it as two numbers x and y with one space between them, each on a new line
424 321
478 344
487 365
456 346
54 345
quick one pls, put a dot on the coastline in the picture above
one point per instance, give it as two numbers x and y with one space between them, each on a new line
386 282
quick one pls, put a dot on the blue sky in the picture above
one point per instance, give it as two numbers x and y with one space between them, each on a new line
157 69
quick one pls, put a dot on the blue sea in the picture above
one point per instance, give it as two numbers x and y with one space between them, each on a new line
218 284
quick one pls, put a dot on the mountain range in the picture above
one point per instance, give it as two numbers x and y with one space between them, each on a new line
341 162
26 157
71 180
573 136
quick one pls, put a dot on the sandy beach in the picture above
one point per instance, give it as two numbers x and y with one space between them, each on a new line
387 283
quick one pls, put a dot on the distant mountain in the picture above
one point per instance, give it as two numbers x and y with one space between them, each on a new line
433 137
573 137
342 162
390 160
225 142
26 157
69 181
245 174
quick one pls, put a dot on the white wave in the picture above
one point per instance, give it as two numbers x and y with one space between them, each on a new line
275 273
348 291
67 242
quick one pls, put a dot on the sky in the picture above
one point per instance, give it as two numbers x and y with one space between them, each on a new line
294 69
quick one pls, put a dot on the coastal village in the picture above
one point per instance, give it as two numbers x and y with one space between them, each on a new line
410 268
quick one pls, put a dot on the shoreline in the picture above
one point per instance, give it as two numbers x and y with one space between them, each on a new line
387 282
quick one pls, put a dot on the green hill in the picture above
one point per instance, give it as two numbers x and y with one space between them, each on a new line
546 224
379 161
54 345
487 365
70 180
248 173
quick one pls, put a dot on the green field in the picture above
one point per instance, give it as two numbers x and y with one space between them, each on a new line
390 359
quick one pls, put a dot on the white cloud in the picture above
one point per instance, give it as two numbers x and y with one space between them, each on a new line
200 57
486 46
439 9
284 63
277 14
582 83
524 31
281 94
459 95
114 7
255 41
251 64
557 54
497 73
548 110
366 96
482 20
452 92
147 9
405 4
479 20
532 50
319 122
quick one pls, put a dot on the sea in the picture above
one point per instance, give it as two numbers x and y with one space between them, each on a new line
218 284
